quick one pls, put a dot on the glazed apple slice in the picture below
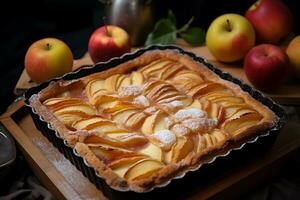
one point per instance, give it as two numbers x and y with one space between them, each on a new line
104 126
128 141
121 166
216 111
182 148
234 126
207 88
152 151
155 67
83 123
105 101
143 169
95 86
154 123
125 82
217 94
122 116
227 99
230 110
108 154
137 78
56 101
136 120
171 71
68 118
188 75
111 82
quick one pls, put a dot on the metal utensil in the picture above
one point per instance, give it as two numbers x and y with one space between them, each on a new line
135 16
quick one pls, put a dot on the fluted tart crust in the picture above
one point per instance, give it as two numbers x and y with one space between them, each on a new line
147 120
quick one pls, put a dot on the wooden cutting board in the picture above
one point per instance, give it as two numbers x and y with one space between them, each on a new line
289 93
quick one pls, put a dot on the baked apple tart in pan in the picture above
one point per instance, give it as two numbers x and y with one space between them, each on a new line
151 118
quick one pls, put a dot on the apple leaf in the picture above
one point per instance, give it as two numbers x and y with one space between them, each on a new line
194 36
187 25
171 17
164 33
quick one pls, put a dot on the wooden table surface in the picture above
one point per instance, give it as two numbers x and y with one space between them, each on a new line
289 93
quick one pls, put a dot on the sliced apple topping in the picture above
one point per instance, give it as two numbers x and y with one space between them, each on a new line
216 111
136 120
233 126
105 101
143 169
181 149
108 154
68 118
170 71
205 88
155 68
83 123
137 78
227 100
95 86
187 75
127 141
154 123
152 151
112 82
121 166
122 116
233 108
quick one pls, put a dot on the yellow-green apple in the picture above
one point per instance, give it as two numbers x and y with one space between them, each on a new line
229 37
48 58
272 20
293 52
266 66
108 41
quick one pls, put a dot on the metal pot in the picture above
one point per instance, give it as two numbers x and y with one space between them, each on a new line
134 16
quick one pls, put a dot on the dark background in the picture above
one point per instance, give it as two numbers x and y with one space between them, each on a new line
23 22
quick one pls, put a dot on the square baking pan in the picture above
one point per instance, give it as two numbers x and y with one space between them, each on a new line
202 173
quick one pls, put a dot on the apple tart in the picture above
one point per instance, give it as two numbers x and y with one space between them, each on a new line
147 120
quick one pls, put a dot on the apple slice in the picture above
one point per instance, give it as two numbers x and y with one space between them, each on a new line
104 101
216 111
247 120
196 104
122 116
108 154
152 151
83 123
125 82
104 127
233 108
217 94
131 140
121 166
207 89
188 75
137 78
225 100
154 68
68 118
95 86
111 83
171 71
182 148
54 101
143 169
240 112
148 126
136 120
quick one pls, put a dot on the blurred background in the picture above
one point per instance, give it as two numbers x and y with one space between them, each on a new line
24 22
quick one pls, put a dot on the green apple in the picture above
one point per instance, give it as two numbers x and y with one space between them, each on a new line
293 52
229 37
48 58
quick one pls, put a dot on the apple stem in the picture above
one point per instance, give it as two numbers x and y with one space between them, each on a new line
105 25
228 25
48 46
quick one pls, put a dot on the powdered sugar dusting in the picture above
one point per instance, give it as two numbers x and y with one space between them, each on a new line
141 100
199 124
173 104
130 90
180 130
189 113
166 137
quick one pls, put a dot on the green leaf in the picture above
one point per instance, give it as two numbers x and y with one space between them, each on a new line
164 33
186 26
194 36
171 17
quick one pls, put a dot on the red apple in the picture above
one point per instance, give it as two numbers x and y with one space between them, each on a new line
108 41
48 58
266 66
271 19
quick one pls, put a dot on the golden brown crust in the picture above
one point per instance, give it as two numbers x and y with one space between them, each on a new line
75 138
